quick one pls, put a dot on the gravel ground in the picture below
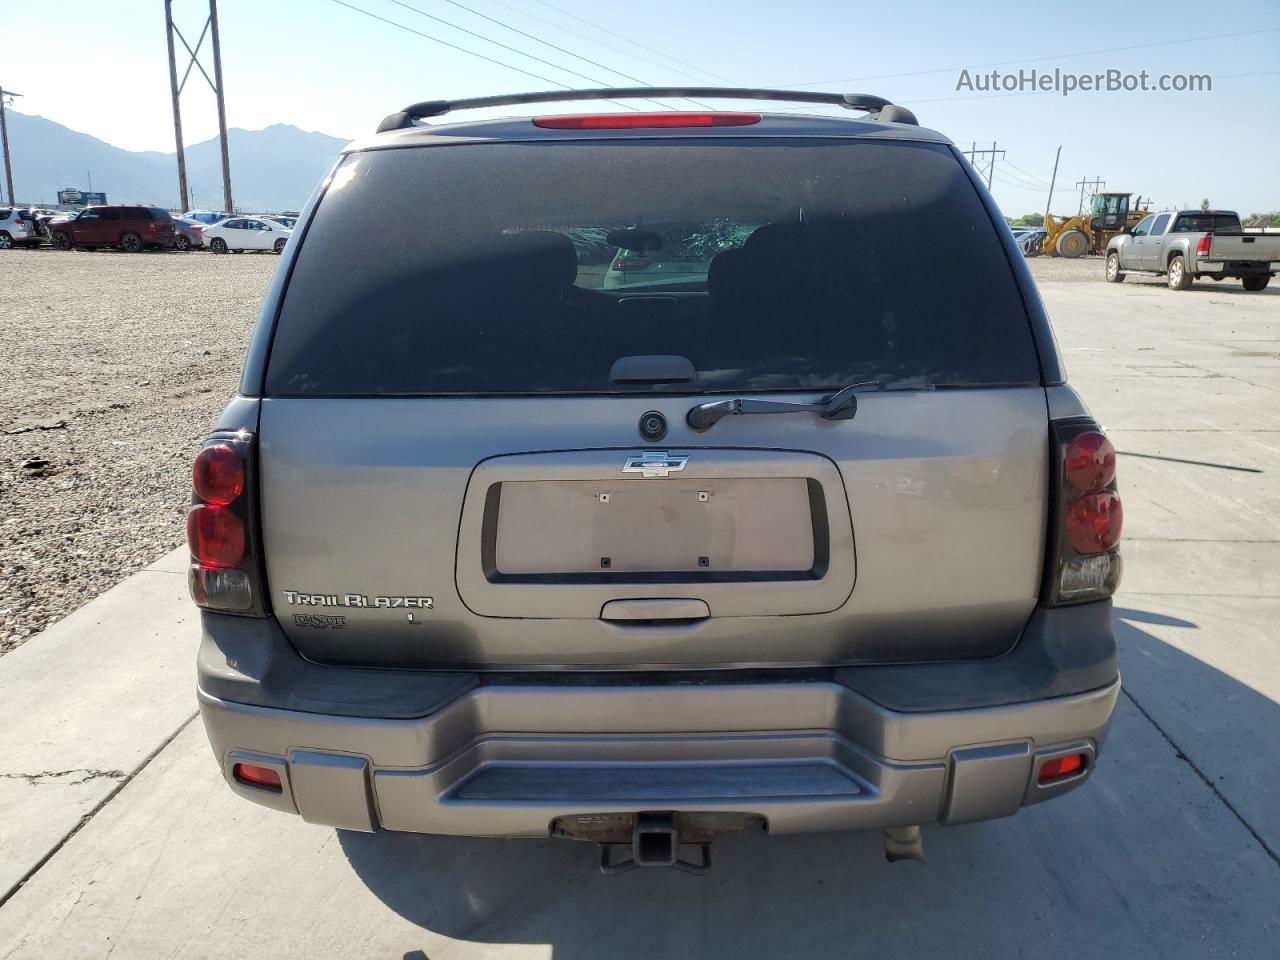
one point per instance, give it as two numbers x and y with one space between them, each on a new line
115 367
1058 270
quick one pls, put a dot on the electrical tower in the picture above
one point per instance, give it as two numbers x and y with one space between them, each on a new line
973 152
1095 185
4 135
210 29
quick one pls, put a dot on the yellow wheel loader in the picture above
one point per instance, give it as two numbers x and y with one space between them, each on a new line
1073 237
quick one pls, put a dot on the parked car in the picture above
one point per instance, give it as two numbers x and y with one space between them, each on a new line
289 222
17 228
1187 245
207 217
246 233
190 234
132 229
1030 240
484 548
42 218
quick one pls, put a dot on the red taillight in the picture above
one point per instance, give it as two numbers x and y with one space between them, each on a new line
218 475
1060 767
216 535
256 776
1090 462
632 121
1086 516
225 575
1094 522
1202 248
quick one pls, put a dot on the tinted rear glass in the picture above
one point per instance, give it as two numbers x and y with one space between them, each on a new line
1216 223
533 267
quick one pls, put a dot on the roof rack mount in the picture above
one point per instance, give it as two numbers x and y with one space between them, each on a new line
878 107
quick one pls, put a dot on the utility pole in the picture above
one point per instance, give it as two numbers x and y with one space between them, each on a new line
4 135
177 110
215 84
1052 180
1096 184
222 109
973 153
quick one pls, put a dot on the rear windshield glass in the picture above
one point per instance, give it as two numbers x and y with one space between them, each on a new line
533 267
1217 223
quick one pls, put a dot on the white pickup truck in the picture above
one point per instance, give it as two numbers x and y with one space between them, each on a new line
1186 245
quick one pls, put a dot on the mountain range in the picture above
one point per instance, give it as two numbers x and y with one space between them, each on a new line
271 169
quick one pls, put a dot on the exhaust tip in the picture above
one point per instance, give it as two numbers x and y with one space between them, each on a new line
903 843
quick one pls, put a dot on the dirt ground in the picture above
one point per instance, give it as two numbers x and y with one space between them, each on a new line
115 366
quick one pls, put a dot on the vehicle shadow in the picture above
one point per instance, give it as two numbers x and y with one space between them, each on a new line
1105 871
1229 287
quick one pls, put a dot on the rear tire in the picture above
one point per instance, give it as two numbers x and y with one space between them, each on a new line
131 243
59 240
182 244
1114 275
1072 244
1179 278
6 241
218 245
279 245
1254 284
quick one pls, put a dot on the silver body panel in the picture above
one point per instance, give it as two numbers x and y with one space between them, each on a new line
507 760
943 503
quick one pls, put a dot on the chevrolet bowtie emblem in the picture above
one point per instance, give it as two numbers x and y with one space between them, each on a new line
654 463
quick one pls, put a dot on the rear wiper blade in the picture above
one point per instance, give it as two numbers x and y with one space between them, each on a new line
841 405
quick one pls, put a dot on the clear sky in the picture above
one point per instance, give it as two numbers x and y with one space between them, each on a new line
99 66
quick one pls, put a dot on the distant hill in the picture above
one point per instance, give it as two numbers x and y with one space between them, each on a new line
271 169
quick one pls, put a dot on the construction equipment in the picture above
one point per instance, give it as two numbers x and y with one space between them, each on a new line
1109 214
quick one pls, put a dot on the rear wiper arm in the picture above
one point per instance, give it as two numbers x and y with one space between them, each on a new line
841 405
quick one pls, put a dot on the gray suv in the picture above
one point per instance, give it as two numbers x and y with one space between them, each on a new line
804 538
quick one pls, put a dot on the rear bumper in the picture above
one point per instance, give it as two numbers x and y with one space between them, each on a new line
464 755
1239 268
507 761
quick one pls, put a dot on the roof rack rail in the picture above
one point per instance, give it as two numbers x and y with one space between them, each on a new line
878 107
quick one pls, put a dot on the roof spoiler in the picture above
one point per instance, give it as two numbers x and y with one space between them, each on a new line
878 108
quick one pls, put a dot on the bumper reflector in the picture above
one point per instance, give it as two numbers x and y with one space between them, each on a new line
256 776
1060 767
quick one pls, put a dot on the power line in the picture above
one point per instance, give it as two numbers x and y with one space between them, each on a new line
537 39
515 50
454 46
973 152
595 40
637 43
1026 174
1060 56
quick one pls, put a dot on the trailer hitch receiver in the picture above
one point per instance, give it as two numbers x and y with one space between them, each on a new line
655 842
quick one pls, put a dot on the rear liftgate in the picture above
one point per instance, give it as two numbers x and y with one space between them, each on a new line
674 535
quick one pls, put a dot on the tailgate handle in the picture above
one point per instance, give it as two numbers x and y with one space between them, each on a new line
642 611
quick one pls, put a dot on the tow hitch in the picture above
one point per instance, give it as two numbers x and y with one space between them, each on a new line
654 843
654 838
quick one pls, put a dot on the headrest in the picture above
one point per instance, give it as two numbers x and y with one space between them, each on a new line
725 273
539 259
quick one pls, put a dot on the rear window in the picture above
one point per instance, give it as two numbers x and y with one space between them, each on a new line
159 215
1216 223
532 267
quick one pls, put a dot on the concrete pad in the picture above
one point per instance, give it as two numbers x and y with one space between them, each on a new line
1199 486
1207 669
84 703
1179 568
1143 862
